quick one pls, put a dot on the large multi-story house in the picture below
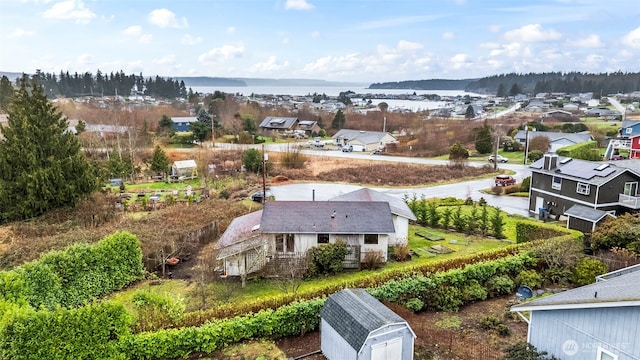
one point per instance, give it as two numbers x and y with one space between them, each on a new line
567 186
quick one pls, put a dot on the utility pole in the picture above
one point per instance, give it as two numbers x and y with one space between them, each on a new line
495 153
264 176
526 144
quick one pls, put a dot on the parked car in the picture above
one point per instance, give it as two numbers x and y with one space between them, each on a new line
504 180
347 148
618 157
258 197
499 158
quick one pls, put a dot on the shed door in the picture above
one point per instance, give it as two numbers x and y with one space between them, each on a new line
389 350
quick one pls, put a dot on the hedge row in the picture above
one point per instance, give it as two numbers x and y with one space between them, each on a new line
76 275
527 231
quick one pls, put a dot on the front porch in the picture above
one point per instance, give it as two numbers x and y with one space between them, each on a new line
632 202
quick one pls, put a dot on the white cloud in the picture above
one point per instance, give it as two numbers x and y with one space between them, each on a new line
591 41
298 5
269 66
448 35
20 33
217 55
70 10
190 40
135 31
460 61
404 45
331 64
166 18
167 60
489 45
85 59
531 33
632 39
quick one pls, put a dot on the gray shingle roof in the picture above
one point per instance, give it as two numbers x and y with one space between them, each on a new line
278 122
555 136
354 313
366 137
398 206
586 213
581 170
623 288
334 217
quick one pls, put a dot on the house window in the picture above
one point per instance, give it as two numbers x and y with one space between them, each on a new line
284 243
605 354
557 183
371 239
583 188
630 188
323 238
628 130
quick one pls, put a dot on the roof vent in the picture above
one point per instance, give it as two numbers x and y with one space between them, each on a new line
333 214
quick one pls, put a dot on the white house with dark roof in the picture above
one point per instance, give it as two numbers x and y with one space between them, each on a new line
599 321
356 326
366 140
401 212
557 140
290 228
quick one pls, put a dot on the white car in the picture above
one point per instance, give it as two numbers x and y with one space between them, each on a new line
500 158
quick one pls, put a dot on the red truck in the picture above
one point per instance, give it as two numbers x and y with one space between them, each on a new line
504 180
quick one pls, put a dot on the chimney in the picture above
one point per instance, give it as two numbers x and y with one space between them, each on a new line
550 161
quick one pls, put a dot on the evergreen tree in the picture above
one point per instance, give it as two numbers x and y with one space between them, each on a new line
458 152
515 89
6 92
484 141
159 160
470 113
497 224
41 165
200 130
502 91
338 120
165 126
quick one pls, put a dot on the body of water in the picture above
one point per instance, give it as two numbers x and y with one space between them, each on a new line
413 105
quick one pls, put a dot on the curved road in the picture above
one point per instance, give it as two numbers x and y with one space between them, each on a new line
461 190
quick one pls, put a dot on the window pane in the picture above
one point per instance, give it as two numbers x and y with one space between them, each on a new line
371 239
323 238
290 243
279 243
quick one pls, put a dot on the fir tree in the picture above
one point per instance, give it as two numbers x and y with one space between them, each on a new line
338 120
159 160
41 165
6 92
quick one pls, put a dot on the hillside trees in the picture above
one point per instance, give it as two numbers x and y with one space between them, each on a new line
41 165
6 91
338 120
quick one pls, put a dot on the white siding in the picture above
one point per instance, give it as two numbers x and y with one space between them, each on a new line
401 236
580 332
333 345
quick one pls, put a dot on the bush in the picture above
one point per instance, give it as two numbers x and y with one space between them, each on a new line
525 351
326 259
401 252
157 311
489 322
372 260
293 159
474 291
500 285
445 297
535 155
586 271
558 275
525 186
414 305
529 278
511 189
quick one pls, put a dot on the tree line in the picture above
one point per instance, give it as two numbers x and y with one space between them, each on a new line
102 84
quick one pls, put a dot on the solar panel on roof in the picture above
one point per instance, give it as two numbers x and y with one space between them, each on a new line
564 161
602 167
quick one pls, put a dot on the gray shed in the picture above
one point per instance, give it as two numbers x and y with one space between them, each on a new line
354 325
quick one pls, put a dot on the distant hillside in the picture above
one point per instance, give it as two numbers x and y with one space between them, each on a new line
218 81
433 84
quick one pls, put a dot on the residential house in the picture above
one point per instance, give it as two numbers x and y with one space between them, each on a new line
184 169
557 114
634 147
181 123
287 229
400 211
629 129
278 124
570 107
559 183
599 321
356 326
309 127
363 140
557 140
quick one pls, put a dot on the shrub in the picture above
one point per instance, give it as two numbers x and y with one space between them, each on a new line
496 190
293 159
459 220
445 297
535 155
401 252
530 278
446 218
587 269
557 275
326 259
372 260
497 224
511 189
525 351
525 186
489 322
474 291
415 304
500 285
157 311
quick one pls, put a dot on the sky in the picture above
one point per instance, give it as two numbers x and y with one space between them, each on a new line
336 40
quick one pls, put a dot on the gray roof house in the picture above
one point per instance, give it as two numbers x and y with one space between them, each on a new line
355 325
366 140
598 321
287 229
277 123
557 139
399 209
558 183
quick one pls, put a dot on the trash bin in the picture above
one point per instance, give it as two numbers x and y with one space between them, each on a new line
542 213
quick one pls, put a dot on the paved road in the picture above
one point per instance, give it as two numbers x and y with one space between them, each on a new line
617 105
461 190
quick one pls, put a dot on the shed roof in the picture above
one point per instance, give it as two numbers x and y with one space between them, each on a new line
334 217
398 206
621 290
184 164
354 314
586 213
240 230
184 119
